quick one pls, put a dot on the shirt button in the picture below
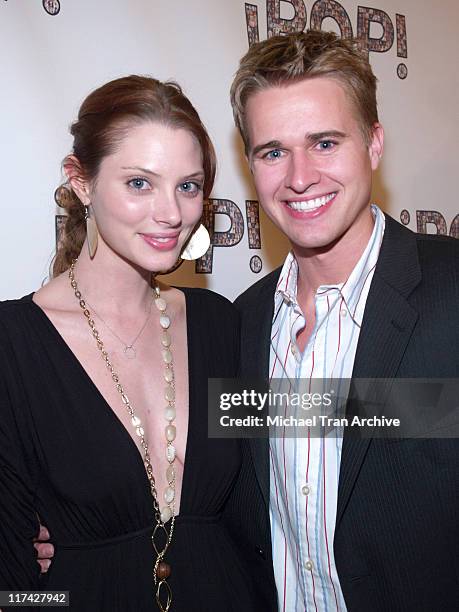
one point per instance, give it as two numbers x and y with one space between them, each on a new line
343 312
308 565
260 551
306 489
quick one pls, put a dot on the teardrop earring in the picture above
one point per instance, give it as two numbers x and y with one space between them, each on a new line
91 231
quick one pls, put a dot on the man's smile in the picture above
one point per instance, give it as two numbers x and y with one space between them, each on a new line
311 204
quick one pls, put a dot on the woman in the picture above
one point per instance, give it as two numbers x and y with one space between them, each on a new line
104 380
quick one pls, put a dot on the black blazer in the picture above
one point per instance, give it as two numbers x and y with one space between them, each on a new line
397 526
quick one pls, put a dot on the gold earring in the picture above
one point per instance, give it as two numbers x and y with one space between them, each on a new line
197 245
91 231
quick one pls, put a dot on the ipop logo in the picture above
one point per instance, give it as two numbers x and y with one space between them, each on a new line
285 17
52 7
433 218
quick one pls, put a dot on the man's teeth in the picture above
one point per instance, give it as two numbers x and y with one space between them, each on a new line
311 204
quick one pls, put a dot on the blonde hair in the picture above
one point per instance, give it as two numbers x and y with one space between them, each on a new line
282 60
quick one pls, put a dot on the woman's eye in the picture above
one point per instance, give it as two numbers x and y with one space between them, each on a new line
190 187
138 183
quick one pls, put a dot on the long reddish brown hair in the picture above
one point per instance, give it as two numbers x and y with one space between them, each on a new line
103 121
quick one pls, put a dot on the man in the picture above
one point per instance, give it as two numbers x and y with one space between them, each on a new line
370 524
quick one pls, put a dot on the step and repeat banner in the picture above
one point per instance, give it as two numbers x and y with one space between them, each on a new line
53 52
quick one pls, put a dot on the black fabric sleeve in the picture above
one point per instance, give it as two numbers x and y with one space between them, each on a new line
19 569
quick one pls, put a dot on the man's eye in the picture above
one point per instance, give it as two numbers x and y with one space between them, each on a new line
138 183
274 154
326 145
190 187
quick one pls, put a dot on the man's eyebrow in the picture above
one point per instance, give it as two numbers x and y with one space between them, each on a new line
316 136
272 144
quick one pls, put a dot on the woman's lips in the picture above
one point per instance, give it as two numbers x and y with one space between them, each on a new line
161 243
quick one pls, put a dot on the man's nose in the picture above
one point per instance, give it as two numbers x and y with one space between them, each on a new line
301 173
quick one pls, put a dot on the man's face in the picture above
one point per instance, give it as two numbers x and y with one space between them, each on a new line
311 166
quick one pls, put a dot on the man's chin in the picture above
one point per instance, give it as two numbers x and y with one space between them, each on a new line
316 245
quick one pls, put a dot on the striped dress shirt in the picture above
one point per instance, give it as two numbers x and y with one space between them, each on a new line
304 471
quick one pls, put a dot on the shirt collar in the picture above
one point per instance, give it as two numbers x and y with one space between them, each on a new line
351 289
287 284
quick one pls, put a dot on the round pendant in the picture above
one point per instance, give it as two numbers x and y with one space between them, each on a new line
163 570
129 352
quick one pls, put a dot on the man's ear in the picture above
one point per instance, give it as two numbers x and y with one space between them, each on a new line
376 147
75 177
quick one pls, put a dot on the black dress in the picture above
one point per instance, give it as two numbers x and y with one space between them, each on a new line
66 456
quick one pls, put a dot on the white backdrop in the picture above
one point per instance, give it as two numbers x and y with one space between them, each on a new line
49 62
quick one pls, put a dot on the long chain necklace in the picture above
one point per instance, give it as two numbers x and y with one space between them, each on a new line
162 570
129 350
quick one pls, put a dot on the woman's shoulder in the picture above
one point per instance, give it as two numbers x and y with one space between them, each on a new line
17 322
30 305
11 310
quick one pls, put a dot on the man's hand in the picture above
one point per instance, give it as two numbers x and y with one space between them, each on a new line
44 549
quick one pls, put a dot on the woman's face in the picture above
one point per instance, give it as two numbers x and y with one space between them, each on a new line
147 196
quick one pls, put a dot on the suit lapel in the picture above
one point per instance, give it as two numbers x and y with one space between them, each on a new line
387 325
256 335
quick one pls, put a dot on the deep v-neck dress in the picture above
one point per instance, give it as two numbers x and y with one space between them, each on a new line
65 456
